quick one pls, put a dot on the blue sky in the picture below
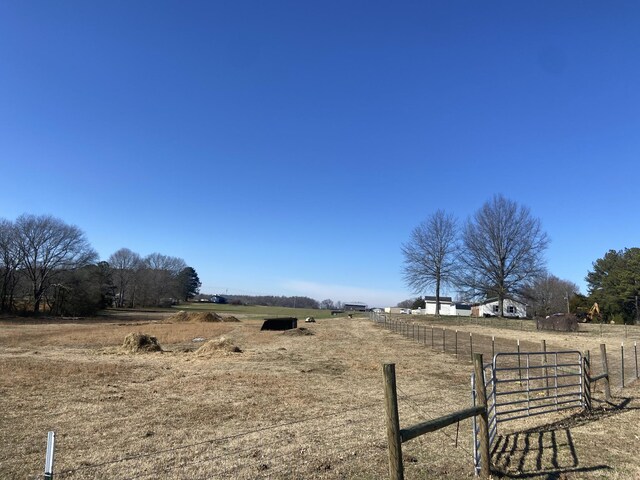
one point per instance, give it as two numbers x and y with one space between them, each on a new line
289 148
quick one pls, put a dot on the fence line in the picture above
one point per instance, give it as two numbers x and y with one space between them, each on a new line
621 370
397 436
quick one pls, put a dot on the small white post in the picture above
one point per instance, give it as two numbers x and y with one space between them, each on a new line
48 464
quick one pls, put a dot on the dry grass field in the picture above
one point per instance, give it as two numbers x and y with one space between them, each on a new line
303 404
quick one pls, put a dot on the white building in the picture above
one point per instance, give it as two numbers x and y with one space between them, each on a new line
491 308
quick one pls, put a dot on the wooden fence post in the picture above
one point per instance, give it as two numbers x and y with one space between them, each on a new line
481 401
396 469
471 344
635 353
444 347
605 367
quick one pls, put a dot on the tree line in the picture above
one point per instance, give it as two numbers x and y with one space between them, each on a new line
499 253
48 265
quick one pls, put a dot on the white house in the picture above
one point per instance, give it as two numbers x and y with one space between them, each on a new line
491 308
461 309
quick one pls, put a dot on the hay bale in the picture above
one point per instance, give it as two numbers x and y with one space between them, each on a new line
218 345
140 343
558 322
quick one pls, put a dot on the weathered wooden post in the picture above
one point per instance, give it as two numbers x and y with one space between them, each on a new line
396 469
481 401
456 343
605 367
493 346
431 336
48 463
471 344
635 353
444 345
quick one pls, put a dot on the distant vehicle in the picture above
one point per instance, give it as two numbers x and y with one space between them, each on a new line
376 310
406 310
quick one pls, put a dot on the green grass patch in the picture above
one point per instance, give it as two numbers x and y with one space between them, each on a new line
255 310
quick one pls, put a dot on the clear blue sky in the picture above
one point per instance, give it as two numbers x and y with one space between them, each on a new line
289 148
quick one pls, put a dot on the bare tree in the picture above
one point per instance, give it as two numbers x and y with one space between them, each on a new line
9 265
124 264
549 294
46 247
160 278
429 255
503 247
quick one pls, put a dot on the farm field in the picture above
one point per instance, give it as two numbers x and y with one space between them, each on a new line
297 404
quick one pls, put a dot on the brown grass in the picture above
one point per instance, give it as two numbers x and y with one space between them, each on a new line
288 406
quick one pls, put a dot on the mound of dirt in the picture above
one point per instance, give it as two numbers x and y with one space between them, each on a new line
181 316
140 343
296 332
230 318
218 345
195 317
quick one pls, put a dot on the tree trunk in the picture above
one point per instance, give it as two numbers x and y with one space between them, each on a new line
438 296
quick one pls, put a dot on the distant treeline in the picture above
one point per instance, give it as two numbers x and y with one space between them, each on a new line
49 266
272 301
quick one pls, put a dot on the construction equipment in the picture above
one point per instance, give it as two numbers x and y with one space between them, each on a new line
592 315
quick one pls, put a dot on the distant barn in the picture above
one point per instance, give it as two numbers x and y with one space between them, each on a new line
355 307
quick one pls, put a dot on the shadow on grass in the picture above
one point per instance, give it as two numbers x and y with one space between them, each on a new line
548 451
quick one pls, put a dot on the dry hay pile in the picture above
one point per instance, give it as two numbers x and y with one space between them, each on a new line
140 343
218 345
296 332
200 317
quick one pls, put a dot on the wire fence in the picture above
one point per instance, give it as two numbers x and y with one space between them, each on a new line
623 357
349 443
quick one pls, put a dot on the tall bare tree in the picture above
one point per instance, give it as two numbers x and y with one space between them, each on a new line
124 264
47 247
9 265
429 255
503 250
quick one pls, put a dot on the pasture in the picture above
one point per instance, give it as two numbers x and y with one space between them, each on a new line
299 404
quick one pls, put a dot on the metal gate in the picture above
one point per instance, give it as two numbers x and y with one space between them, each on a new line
524 384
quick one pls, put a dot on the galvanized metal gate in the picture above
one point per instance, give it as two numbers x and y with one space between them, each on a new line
524 384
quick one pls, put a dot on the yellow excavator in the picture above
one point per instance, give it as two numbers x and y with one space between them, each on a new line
592 315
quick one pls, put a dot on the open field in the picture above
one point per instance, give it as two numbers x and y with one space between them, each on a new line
289 405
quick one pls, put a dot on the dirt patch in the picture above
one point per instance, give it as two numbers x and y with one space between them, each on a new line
200 317
298 332
218 345
141 343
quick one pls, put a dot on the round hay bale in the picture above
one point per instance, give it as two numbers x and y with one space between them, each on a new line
218 345
140 343
297 332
